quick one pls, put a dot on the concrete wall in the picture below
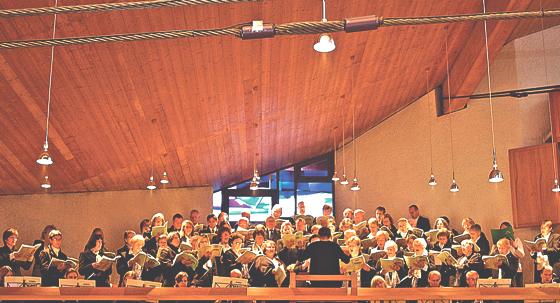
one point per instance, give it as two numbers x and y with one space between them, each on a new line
394 157
76 214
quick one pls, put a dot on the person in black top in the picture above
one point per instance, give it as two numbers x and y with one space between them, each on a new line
416 220
123 251
470 261
271 232
44 241
479 238
10 237
145 229
167 256
506 270
211 228
89 267
176 223
51 274
325 256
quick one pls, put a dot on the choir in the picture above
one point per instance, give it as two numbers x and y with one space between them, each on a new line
186 253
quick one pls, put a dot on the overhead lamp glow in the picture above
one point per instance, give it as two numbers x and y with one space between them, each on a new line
45 157
432 181
344 180
454 187
151 184
254 185
556 187
335 177
164 178
355 185
46 183
325 44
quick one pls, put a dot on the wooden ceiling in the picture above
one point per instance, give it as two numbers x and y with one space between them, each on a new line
190 106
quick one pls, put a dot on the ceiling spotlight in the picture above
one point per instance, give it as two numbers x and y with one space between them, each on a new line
164 178
46 183
454 187
355 185
344 180
556 187
45 157
151 184
432 181
325 44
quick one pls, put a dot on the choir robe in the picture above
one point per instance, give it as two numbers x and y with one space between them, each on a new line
16 266
50 275
446 271
509 271
227 263
87 258
169 271
122 267
325 257
472 262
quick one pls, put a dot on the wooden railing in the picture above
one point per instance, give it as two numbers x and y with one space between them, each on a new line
268 294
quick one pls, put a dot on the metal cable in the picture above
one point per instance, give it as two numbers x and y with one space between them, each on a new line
110 7
295 28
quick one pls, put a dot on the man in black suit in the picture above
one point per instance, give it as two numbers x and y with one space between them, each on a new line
51 274
270 231
416 220
506 270
325 258
10 237
211 228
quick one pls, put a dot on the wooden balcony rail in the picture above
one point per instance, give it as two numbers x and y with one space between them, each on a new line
268 294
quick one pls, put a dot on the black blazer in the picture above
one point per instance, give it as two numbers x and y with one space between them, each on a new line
50 275
423 223
484 245
5 252
509 271
87 258
272 234
122 266
168 270
474 262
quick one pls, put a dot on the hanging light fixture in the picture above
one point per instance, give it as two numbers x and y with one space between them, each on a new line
164 179
335 177
326 42
254 185
432 181
454 187
495 175
556 186
45 157
46 183
344 179
151 184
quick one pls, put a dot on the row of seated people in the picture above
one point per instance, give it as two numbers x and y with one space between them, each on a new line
263 253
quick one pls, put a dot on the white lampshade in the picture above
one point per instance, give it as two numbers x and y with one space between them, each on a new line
325 44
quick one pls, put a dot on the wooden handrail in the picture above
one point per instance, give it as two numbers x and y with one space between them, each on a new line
352 278
266 294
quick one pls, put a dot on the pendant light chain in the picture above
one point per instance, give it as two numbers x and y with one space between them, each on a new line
354 124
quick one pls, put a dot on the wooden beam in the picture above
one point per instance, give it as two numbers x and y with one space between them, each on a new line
469 68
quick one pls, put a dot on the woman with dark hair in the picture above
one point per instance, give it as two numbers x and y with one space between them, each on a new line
390 224
167 256
89 258
145 228
10 237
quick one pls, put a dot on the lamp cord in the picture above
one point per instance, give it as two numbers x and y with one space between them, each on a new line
429 124
46 146
324 11
548 98
489 84
449 100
